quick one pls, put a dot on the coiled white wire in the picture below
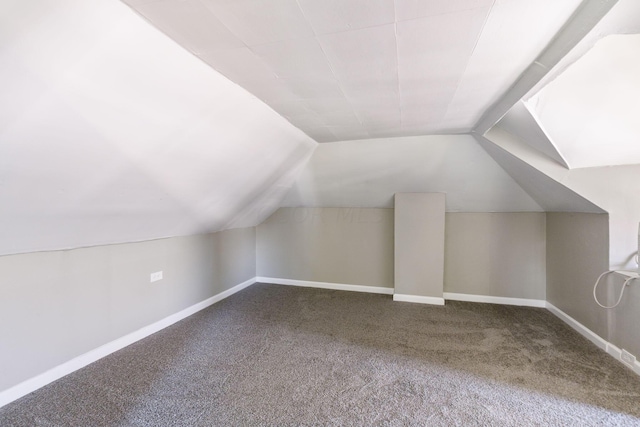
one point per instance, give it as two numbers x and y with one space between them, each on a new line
624 285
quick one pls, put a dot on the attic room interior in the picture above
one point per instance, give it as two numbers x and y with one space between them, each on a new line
306 212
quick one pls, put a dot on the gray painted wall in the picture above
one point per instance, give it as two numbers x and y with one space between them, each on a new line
57 305
336 245
419 244
496 254
493 254
624 319
577 252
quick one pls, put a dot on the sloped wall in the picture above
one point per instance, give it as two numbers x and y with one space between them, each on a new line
368 173
611 189
110 132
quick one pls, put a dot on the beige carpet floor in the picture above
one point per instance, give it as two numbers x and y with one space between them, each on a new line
286 356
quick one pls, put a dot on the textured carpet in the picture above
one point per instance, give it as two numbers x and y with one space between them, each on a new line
277 355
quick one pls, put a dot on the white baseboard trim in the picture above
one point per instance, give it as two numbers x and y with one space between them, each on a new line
418 299
523 302
32 384
579 327
593 337
326 285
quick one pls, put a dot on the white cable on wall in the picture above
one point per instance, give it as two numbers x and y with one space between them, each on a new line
624 285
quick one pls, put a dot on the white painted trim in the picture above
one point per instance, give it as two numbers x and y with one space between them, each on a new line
617 354
603 344
523 302
33 384
326 285
418 299
579 327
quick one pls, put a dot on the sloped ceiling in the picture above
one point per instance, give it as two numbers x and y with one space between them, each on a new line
550 194
591 110
110 132
622 18
358 69
523 123
368 173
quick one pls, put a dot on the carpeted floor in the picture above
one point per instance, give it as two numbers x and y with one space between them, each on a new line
287 356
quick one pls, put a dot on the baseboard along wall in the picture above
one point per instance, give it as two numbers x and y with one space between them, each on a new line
523 302
79 362
603 344
326 285
418 299
41 380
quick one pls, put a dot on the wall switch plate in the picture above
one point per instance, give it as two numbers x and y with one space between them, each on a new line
628 358
156 276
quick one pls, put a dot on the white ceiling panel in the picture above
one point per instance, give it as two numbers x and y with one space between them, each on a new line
376 103
191 24
241 63
261 21
331 16
139 2
423 97
272 91
296 58
289 106
416 129
341 118
362 95
436 65
497 61
314 88
364 57
327 105
380 120
379 114
438 47
321 134
348 133
432 56
425 106
423 116
411 9
307 121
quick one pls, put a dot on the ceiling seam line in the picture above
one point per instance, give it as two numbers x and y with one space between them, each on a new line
326 58
455 92
222 23
333 72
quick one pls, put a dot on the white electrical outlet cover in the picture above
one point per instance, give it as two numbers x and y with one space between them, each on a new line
156 276
627 358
